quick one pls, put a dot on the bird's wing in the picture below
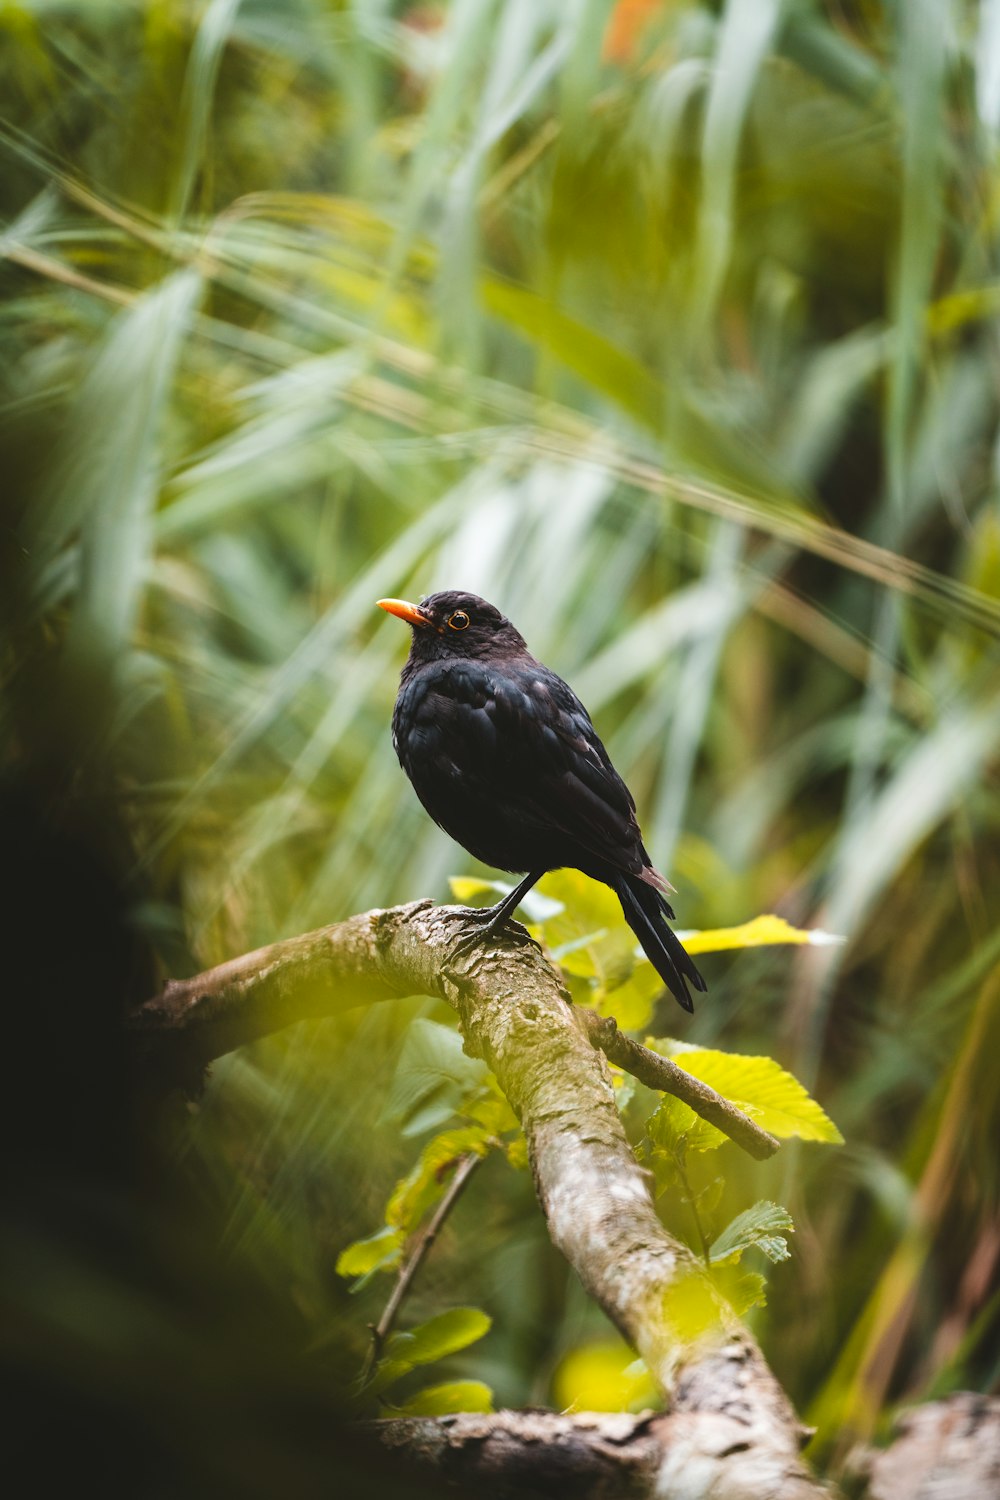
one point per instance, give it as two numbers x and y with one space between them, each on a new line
525 739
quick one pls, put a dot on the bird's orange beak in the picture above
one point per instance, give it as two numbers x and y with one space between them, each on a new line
404 611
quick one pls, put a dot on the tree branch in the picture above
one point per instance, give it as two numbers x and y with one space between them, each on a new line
547 1455
740 1435
661 1073
326 972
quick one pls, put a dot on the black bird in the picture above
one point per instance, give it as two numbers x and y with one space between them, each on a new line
502 754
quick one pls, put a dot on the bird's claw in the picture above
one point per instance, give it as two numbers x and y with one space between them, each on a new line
486 929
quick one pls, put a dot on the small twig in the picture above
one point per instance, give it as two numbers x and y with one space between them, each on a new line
660 1073
463 1171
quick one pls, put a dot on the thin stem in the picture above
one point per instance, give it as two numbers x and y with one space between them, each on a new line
407 1272
660 1073
679 1164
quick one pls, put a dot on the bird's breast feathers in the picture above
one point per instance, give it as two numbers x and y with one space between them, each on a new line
519 737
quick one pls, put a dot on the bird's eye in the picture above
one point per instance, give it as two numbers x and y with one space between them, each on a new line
459 620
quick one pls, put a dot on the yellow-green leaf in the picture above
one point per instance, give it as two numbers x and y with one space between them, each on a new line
603 1376
759 1086
446 1334
590 355
761 932
492 1111
385 1374
741 1289
380 1252
674 1127
588 934
427 1181
468 889
692 1304
632 1003
451 1396
517 1152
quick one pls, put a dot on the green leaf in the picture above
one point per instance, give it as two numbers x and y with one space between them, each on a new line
761 932
675 1128
603 1375
588 935
517 1153
757 1085
432 1075
385 1374
610 369
380 1252
446 1334
764 1226
451 1396
426 1182
492 1111
430 1341
741 1289
471 890
632 1003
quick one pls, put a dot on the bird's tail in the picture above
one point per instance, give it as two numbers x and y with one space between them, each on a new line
646 912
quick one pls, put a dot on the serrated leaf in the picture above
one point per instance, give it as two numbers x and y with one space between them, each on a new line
674 1127
759 1086
764 1225
379 1252
451 1396
762 932
426 1182
446 1334
664 1166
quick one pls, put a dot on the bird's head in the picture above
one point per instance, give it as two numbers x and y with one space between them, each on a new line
453 624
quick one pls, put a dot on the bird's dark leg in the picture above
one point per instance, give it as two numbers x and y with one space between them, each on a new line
492 919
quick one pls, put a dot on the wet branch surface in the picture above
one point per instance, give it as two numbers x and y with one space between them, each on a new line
731 1428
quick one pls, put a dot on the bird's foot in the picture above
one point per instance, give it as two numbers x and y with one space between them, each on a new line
487 924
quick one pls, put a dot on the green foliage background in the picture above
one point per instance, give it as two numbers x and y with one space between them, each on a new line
671 328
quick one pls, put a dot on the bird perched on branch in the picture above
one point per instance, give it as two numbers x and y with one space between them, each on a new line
502 754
